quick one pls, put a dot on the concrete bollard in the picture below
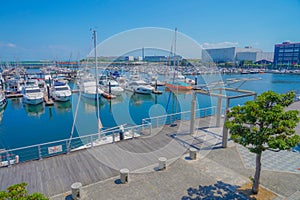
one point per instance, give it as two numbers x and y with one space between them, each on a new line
162 163
16 159
76 190
193 153
124 175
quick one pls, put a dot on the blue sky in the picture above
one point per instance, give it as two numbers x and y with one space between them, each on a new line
60 29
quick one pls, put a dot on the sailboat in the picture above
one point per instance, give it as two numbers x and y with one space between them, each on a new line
177 80
97 96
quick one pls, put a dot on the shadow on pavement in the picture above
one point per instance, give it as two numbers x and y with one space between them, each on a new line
220 190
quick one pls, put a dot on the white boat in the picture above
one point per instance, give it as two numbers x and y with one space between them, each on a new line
3 100
60 91
1 81
32 94
110 86
14 86
138 86
88 87
176 75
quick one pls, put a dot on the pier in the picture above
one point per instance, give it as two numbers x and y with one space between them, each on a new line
15 95
47 97
97 166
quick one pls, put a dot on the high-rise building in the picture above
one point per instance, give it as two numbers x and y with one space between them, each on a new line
287 54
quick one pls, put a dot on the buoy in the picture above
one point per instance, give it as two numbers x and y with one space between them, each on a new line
108 96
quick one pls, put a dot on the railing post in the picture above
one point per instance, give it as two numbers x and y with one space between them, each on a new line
133 133
91 140
219 112
40 152
113 135
225 130
193 116
8 159
68 145
150 128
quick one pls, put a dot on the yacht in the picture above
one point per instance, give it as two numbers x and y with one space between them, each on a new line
110 86
60 91
3 100
1 81
14 86
89 87
32 94
179 82
138 86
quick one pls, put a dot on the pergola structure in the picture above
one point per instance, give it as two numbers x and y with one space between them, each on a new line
219 90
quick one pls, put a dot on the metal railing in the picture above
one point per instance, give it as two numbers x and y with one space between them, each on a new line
115 134
44 150
155 122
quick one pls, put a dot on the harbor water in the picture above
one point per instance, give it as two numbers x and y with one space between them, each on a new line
24 125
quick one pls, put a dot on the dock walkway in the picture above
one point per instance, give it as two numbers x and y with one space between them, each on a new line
54 175
98 168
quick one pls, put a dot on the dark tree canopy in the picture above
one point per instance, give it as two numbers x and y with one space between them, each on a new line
19 192
264 124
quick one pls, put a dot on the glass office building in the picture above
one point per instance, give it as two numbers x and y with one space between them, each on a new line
287 54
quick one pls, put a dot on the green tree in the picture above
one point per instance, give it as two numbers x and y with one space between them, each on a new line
264 124
19 192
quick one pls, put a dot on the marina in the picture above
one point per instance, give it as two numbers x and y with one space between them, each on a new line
135 108
149 100
80 121
140 154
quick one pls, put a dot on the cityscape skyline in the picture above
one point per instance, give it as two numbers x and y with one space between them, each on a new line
60 30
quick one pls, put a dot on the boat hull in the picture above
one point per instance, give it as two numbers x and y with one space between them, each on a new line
90 95
34 101
3 102
178 87
142 90
61 98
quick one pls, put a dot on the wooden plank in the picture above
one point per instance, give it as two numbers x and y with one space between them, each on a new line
54 175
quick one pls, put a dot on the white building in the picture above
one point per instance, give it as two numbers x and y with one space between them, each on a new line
233 54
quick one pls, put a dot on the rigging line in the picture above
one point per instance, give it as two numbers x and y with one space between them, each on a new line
169 64
74 121
99 125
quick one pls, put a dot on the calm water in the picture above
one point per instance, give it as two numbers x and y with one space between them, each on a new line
22 125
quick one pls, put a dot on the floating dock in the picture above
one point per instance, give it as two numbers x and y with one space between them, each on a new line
16 95
48 101
74 91
157 92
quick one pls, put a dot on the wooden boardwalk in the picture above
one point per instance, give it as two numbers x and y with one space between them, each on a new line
55 175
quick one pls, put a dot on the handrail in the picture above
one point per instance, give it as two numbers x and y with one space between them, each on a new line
30 153
184 112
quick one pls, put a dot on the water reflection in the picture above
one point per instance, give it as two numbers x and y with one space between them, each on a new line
1 114
139 99
62 107
89 105
34 110
16 103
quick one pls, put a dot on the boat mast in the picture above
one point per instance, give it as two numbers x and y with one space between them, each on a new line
99 125
176 67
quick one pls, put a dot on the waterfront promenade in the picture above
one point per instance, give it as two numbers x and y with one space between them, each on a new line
98 168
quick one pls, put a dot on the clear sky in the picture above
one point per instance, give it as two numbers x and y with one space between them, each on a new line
60 29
